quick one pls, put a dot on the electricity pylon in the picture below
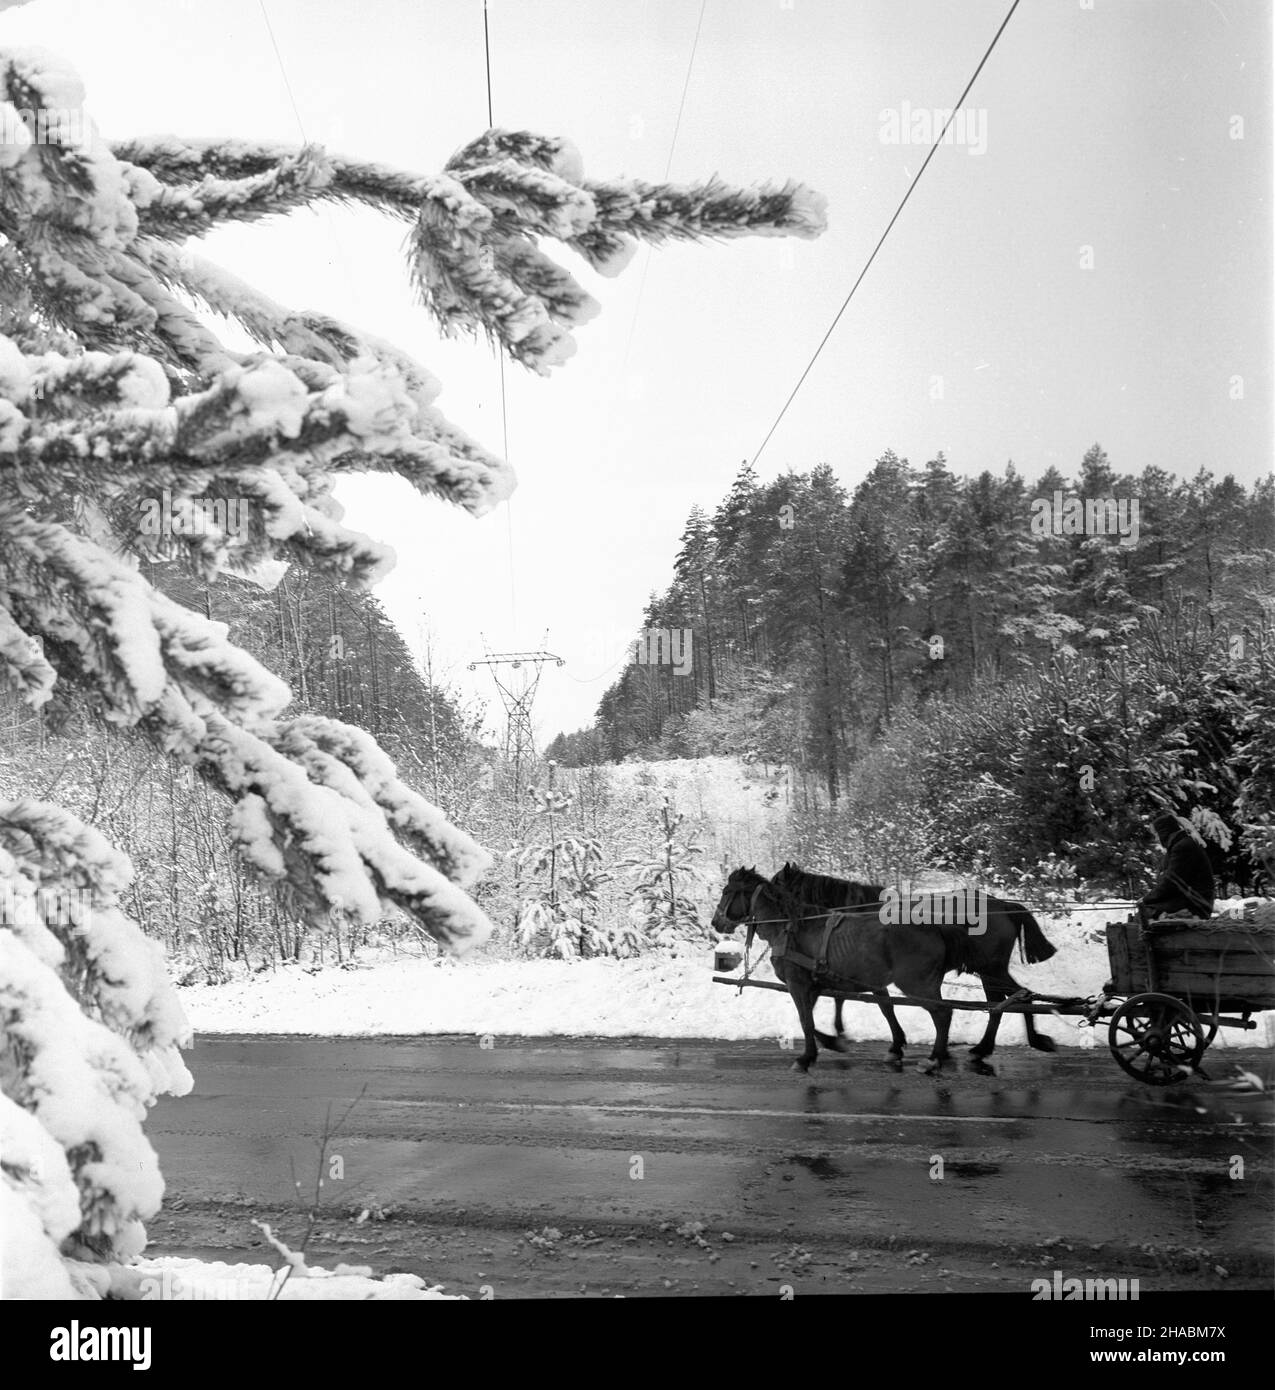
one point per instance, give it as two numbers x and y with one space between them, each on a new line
517 676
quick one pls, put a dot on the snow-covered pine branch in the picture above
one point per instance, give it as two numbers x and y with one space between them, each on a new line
313 820
474 255
325 793
92 1028
306 419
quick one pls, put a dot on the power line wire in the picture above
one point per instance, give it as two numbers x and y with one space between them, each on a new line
681 106
283 72
500 362
668 167
323 213
889 226
487 54
646 266
588 680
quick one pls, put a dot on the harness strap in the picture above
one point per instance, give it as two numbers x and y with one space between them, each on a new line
783 948
821 963
748 939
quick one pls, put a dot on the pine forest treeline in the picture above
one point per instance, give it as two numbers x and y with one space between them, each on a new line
822 621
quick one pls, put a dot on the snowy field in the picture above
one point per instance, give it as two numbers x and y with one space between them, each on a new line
660 997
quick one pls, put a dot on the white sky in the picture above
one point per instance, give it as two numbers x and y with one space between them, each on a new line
1109 127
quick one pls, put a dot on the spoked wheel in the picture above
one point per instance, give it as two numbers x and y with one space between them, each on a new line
1156 1039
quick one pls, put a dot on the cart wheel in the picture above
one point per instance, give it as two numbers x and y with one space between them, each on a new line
1156 1038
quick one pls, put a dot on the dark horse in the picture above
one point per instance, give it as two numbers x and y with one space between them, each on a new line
856 950
987 953
825 891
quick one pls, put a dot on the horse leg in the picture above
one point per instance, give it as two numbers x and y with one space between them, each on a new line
832 1042
837 1023
839 1042
897 1041
1042 1042
803 996
926 982
942 1024
828 1040
982 1049
1002 986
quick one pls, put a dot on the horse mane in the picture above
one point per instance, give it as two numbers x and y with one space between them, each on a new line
826 891
792 905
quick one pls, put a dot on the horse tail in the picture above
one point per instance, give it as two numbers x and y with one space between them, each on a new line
1033 945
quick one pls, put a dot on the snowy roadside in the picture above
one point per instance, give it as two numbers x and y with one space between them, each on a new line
659 997
179 1280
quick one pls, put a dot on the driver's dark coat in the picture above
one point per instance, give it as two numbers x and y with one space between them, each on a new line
1186 883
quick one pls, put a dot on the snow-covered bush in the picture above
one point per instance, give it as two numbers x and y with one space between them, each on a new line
663 914
558 911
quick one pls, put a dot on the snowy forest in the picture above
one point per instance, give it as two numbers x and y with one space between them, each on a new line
943 673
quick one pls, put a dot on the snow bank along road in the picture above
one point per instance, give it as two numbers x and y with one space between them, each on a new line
503 1166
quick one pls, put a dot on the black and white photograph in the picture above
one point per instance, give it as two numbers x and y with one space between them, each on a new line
637 668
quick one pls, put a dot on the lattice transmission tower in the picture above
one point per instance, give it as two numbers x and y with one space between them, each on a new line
517 677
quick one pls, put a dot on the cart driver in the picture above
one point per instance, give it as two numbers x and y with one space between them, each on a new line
1185 887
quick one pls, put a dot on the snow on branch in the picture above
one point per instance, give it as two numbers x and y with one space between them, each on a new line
60 884
92 1028
328 800
22 661
89 1090
191 210
475 226
472 237
308 814
39 1207
106 627
112 413
347 758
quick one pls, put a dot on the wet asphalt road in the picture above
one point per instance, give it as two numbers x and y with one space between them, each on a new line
856 1178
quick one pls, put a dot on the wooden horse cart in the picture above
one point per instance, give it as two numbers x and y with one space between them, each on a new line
1179 980
1174 983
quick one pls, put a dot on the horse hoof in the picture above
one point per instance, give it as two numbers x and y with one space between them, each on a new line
930 1068
802 1067
1044 1044
981 1068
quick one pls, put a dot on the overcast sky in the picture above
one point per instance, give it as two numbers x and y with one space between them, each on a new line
1110 126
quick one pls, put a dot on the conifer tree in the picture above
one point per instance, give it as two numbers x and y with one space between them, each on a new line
882 566
693 568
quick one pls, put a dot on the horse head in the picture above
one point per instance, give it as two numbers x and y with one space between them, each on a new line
736 902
